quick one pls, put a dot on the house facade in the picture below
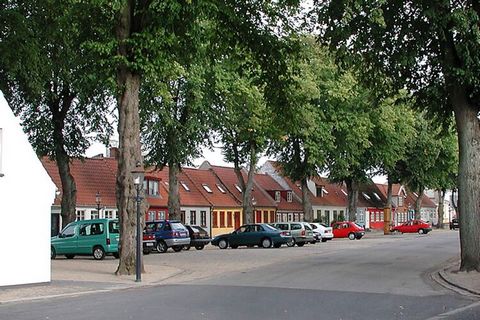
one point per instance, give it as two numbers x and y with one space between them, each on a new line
20 168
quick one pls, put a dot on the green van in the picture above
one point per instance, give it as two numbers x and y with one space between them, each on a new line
97 237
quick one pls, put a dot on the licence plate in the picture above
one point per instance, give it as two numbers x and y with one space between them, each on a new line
149 244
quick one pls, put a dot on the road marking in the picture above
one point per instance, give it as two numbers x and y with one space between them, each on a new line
456 311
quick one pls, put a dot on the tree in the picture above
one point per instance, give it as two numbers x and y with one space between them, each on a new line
52 81
433 49
304 134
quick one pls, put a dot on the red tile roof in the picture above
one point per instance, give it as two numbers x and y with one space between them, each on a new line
229 179
91 175
266 182
216 197
335 197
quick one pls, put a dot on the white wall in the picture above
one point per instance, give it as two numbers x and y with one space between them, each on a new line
26 194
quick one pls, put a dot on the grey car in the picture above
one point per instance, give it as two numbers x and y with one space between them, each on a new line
301 232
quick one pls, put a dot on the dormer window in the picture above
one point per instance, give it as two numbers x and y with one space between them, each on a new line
289 196
207 188
153 188
184 185
238 188
277 196
321 191
400 201
366 196
222 190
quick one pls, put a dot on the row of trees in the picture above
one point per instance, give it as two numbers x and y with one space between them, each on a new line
186 74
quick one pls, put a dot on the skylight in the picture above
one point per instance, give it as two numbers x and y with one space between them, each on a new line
366 196
238 188
343 191
324 190
207 188
221 188
377 196
184 185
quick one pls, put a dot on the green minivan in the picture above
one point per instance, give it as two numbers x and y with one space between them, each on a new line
97 237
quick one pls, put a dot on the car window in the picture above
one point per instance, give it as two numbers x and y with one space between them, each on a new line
296 226
270 228
166 228
323 224
242 229
337 226
259 228
91 229
307 226
282 226
69 231
313 226
177 226
113 227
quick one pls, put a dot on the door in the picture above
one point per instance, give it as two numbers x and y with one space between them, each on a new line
90 235
237 237
236 219
67 240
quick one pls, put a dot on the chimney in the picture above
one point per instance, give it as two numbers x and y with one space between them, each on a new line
112 153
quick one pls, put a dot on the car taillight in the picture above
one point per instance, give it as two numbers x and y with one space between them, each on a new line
285 233
303 232
108 241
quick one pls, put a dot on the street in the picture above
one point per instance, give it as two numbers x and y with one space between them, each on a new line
372 278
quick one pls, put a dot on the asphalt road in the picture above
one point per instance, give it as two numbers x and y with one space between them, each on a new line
377 278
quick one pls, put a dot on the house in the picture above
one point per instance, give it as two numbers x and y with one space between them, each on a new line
27 193
370 206
194 207
95 179
226 210
264 206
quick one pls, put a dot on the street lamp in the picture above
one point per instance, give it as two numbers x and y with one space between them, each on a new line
98 200
138 174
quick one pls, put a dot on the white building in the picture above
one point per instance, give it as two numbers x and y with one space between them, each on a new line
24 224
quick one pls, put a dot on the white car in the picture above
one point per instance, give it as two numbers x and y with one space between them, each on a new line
322 232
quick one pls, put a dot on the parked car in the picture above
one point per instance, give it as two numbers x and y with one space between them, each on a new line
454 224
97 237
322 232
301 232
168 234
348 229
413 226
198 237
260 234
149 242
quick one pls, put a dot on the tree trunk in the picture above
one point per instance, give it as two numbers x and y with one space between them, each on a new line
441 208
468 180
307 204
418 204
247 201
387 211
352 189
129 145
173 194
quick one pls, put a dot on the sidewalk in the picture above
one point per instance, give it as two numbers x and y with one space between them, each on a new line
82 277
462 282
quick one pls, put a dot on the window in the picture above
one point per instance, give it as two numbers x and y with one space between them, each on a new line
229 219
203 218
151 215
222 190
207 188
222 219
272 216
182 216
277 196
68 232
289 196
346 194
91 229
400 201
94 214
113 227
377 196
238 188
161 215
366 196
109 214
381 216
184 185
145 183
193 217
378 216
324 190
265 216
319 191
296 226
372 216
80 215
153 188
215 219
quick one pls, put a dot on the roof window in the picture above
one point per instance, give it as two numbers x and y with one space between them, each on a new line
222 190
207 188
366 196
184 185
238 188
346 194
377 196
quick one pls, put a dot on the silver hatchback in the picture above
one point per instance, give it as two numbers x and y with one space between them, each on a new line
301 232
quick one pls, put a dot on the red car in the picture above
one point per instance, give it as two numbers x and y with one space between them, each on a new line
347 229
413 226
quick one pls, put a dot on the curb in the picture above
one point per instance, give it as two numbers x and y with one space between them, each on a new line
456 285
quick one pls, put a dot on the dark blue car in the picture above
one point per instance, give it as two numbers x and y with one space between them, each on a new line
168 233
260 234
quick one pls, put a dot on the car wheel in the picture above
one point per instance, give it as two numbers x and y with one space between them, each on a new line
98 253
70 256
116 255
266 243
187 247
223 244
300 244
291 242
421 231
177 248
199 247
53 253
351 236
324 240
162 246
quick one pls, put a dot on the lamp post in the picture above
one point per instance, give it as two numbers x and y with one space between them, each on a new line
138 174
98 200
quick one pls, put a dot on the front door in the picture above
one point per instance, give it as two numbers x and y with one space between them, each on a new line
236 218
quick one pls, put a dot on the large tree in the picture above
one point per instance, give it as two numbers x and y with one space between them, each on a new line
433 48
53 80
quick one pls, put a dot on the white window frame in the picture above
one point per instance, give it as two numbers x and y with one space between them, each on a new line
238 188
278 196
219 187
366 196
207 188
289 196
377 196
324 190
345 193
80 215
184 185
